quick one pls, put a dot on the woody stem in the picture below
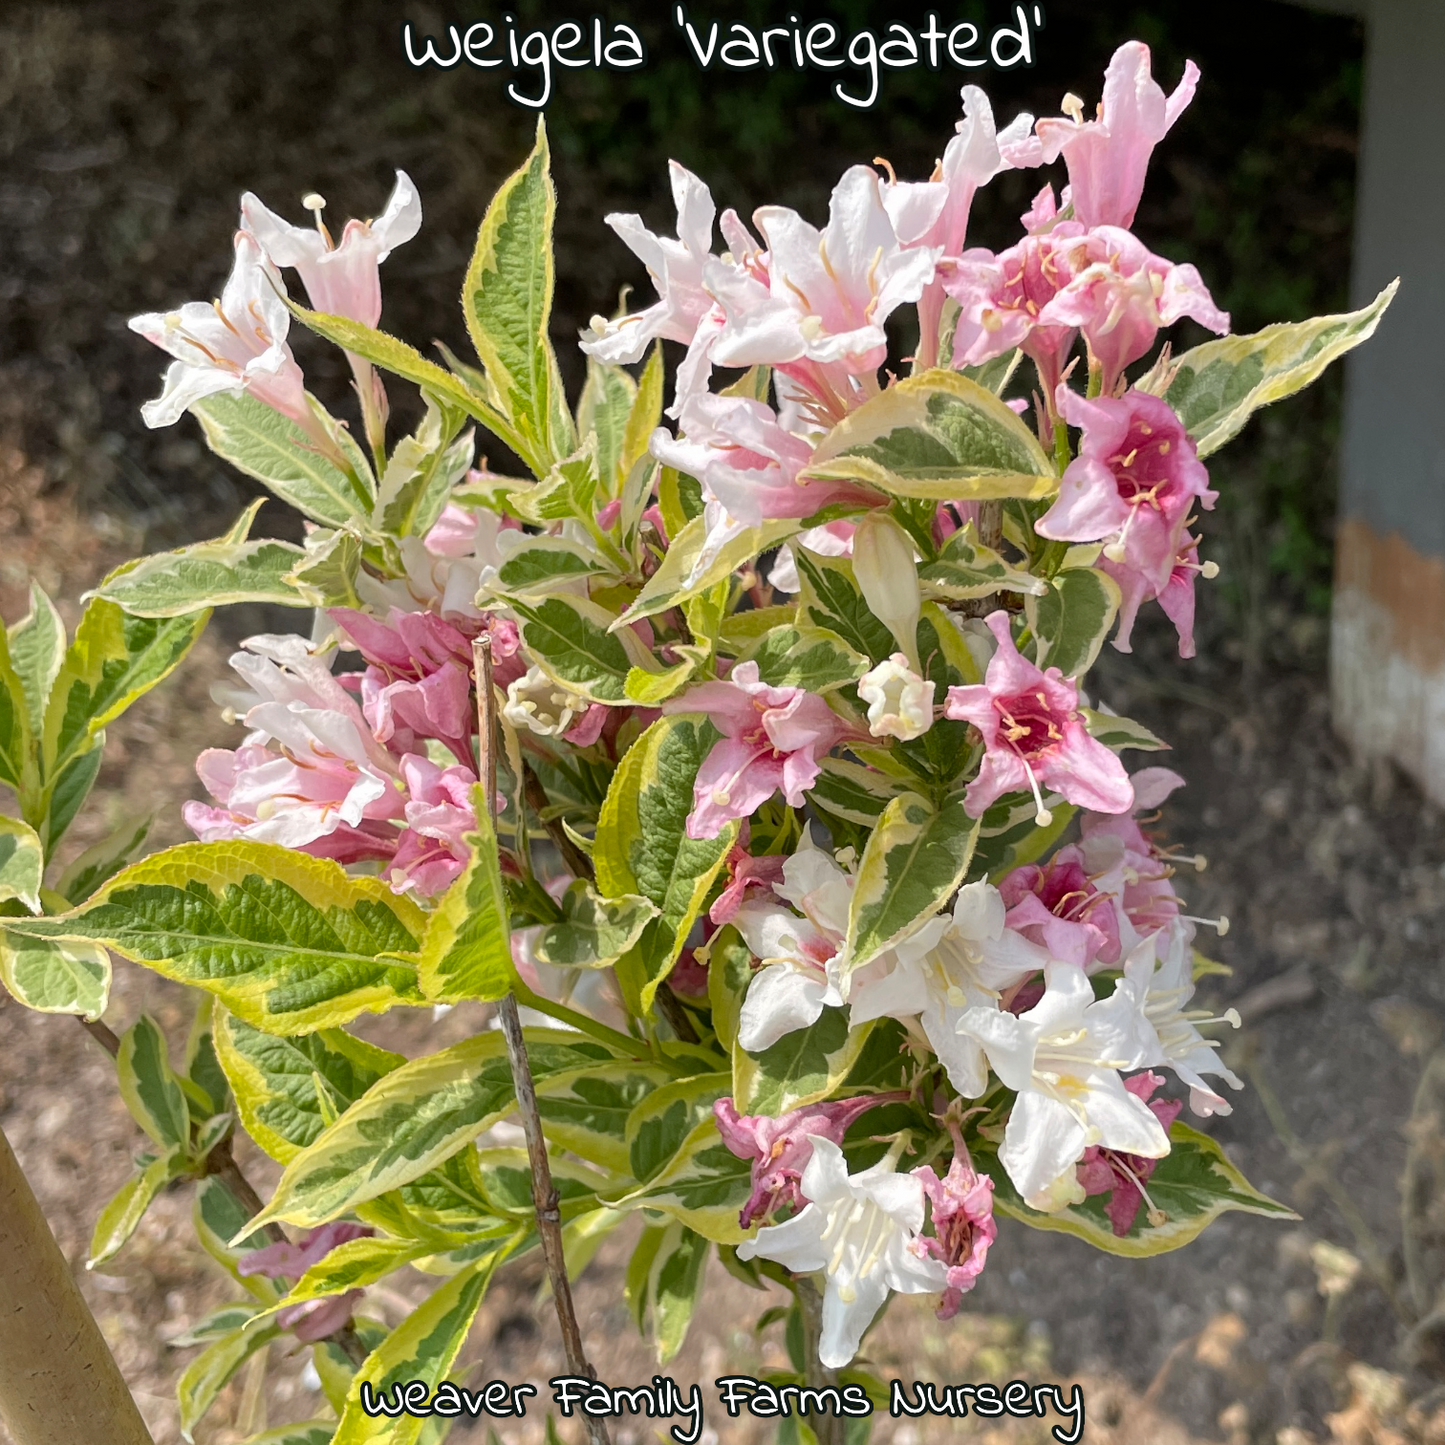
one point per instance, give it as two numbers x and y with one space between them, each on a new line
826 1426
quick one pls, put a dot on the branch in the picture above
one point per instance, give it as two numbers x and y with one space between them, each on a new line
544 1192
579 865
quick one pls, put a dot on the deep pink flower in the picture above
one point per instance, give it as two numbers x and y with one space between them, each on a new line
1123 1176
432 851
402 714
772 737
1033 735
780 1148
1119 295
963 1224
1133 486
1108 157
410 645
1058 907
744 872
311 1320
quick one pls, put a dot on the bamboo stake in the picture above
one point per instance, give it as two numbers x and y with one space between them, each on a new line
544 1192
58 1380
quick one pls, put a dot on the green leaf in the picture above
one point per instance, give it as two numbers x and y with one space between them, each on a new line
421 473
661 1122
287 942
507 300
507 1182
852 792
602 412
326 574
149 1086
967 569
673 1287
729 970
1217 387
22 862
940 437
206 574
466 951
208 1374
1120 732
567 493
646 413
70 790
422 1347
916 857
114 660
117 1221
218 1218
586 1111
103 860
219 1322
994 375
415 1117
545 565
594 931
37 647
691 567
1193 1184
62 978
288 1089
1072 619
353 1265
831 599
802 1067
204 1080
573 644
652 688
805 656
705 1186
306 1432
642 847
258 440
16 759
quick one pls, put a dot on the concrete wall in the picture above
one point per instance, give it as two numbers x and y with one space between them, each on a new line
1388 637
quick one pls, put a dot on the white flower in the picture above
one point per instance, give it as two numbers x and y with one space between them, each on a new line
900 703
1062 1059
887 576
952 964
541 705
233 345
857 1230
676 270
1168 1034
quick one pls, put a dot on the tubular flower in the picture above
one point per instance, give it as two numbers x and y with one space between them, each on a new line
432 850
1123 1176
1033 736
858 1229
234 345
900 703
675 267
1063 1057
1109 157
341 279
1132 486
1060 908
314 1319
772 737
961 1210
780 1148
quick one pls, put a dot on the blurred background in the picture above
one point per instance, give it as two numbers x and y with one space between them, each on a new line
128 130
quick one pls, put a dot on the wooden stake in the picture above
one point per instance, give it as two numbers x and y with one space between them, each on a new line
58 1380
544 1192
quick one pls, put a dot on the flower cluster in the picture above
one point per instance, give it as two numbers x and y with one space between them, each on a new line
809 823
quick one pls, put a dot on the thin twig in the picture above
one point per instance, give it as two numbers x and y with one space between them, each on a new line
827 1427
544 1193
990 534
670 1007
578 864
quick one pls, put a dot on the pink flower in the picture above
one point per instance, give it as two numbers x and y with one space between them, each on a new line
1120 294
402 713
1108 157
330 773
1123 1176
1033 735
410 645
780 1148
1058 907
963 1224
771 739
234 345
432 851
744 872
1133 486
1003 296
344 279
311 1320
1177 598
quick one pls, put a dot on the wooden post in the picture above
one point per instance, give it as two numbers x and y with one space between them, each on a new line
58 1380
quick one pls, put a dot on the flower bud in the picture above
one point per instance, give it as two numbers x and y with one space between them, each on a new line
900 703
542 706
883 564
